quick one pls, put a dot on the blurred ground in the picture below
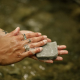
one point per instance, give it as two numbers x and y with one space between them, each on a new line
60 21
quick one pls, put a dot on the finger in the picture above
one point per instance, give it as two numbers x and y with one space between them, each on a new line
49 40
25 31
61 52
46 61
38 44
58 58
61 47
20 37
33 40
38 39
30 53
28 35
34 57
15 32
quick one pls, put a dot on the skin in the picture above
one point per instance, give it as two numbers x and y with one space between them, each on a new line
61 48
14 48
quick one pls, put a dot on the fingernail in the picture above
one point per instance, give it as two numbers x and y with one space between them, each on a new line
41 48
45 37
17 28
45 41
39 34
66 52
60 58
49 40
63 46
48 61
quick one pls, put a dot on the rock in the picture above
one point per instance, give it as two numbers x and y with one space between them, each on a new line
49 52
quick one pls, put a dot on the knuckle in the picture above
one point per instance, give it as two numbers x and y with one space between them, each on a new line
23 43
42 43
28 35
37 50
19 37
13 41
36 44
36 34
31 45
32 40
42 37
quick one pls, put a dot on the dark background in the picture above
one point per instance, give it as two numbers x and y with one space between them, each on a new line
60 21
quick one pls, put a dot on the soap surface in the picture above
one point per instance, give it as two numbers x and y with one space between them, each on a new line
49 52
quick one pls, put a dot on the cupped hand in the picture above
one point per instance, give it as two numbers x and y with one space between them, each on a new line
60 52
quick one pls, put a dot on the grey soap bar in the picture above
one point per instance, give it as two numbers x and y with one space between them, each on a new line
49 52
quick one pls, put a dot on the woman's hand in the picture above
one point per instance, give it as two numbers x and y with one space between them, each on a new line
60 48
30 32
12 47
60 52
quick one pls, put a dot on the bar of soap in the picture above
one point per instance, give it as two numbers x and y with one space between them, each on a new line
50 52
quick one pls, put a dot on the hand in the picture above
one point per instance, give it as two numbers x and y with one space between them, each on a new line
30 32
60 49
12 47
60 52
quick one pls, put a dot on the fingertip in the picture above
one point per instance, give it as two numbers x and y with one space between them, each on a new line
61 52
41 48
51 61
18 27
65 46
59 58
49 40
48 61
61 46
66 52
39 34
45 36
16 31
45 41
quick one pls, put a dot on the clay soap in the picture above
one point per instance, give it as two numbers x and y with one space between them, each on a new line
49 52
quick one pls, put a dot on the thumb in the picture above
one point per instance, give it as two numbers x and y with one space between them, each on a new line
15 32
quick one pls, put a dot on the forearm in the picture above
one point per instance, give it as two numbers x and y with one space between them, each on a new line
2 32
